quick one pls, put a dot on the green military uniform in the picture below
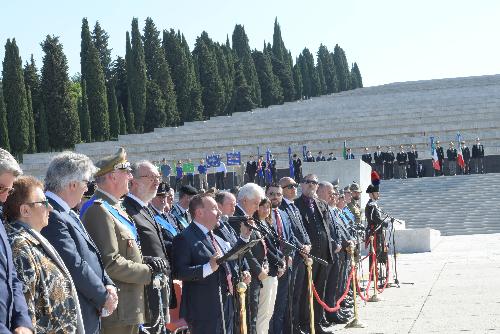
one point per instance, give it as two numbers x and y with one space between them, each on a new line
120 253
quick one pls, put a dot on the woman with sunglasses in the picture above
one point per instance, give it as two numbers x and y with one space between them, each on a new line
47 285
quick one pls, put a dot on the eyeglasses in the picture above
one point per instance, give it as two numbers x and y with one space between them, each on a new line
311 182
152 177
44 202
271 194
291 186
7 190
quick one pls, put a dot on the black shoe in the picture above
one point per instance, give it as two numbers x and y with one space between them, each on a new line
324 328
339 319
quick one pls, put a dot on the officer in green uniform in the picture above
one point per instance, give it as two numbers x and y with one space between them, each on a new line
353 205
115 235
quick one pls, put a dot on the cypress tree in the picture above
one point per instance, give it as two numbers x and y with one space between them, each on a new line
328 68
341 68
356 77
14 93
196 112
310 78
281 66
158 70
242 96
42 131
31 122
321 77
225 59
64 123
212 88
93 74
129 115
136 77
4 131
306 77
83 115
100 38
155 108
114 118
242 51
297 80
119 78
271 90
123 121
32 80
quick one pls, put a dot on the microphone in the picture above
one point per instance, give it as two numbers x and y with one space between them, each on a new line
238 220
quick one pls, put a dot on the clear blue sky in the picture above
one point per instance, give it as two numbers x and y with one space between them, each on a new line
394 40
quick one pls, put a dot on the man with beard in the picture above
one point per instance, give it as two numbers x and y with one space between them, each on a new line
143 187
318 224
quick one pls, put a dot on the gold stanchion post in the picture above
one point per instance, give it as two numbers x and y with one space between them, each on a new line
374 298
241 288
309 263
355 323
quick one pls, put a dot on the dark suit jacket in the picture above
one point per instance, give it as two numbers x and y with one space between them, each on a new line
301 237
200 296
13 308
272 253
83 260
308 221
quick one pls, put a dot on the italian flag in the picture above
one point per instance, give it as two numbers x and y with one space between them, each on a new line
460 157
435 161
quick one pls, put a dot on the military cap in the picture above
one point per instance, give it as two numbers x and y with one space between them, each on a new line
112 163
462 142
400 146
372 189
341 193
378 146
188 190
451 143
336 182
91 187
163 188
437 141
346 189
354 187
477 139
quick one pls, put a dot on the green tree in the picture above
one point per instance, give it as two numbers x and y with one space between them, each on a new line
31 123
242 96
119 78
271 91
43 144
4 132
83 115
136 77
93 74
114 117
357 80
328 68
100 38
14 93
129 115
281 66
242 51
321 77
32 80
56 99
123 121
155 108
341 68
297 81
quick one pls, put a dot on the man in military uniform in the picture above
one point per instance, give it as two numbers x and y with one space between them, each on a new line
466 155
478 157
378 157
117 239
451 154
412 162
353 205
367 157
389 163
375 224
440 155
401 158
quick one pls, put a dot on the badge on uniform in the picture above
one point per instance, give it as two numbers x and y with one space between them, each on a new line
130 243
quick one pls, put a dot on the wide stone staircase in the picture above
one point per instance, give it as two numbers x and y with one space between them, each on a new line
399 113
454 205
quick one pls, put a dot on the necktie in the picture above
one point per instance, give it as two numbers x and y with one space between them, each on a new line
75 217
217 249
279 227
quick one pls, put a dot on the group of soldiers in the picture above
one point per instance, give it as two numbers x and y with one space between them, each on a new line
389 165
474 158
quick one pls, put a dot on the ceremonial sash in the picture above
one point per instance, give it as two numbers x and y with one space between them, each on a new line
165 224
349 214
86 205
125 222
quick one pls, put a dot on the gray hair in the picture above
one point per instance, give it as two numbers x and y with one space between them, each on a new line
250 191
137 165
8 164
324 184
68 167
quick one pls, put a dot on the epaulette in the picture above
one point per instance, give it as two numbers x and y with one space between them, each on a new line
372 203
98 201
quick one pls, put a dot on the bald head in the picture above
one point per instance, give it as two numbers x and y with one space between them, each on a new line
326 192
289 187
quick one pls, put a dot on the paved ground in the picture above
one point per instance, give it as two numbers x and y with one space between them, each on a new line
455 289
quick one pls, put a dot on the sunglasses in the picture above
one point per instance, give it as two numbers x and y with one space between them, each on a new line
4 190
291 186
44 202
311 182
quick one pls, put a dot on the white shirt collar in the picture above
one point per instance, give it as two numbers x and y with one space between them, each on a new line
244 212
180 207
58 200
109 195
201 227
137 199
288 201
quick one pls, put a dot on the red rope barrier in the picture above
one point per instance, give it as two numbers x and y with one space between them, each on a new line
337 306
370 278
387 267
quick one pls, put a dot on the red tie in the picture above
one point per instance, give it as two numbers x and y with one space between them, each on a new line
217 248
279 227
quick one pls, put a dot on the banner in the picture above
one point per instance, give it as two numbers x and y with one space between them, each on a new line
188 167
290 162
269 176
213 160
233 158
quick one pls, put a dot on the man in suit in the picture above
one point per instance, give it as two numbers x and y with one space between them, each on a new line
412 162
298 274
367 157
378 157
116 237
389 163
14 315
440 155
196 251
320 157
478 156
451 154
65 182
466 155
180 210
401 158
143 187
317 223
251 169
349 155
297 168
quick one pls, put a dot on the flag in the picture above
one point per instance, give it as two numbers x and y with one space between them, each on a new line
290 162
435 160
460 157
269 177
344 151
